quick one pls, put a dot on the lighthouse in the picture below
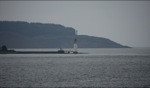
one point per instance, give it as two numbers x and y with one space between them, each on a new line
75 44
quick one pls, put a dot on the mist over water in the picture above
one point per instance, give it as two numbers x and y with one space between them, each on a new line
98 68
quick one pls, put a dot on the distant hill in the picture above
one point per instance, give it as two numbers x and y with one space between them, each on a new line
38 35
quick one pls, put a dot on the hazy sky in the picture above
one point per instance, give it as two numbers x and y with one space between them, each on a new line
125 22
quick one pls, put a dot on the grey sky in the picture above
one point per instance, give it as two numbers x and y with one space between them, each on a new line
125 22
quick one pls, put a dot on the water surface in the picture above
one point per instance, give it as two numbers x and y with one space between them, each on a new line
98 68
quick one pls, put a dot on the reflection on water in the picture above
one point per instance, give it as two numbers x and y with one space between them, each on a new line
99 68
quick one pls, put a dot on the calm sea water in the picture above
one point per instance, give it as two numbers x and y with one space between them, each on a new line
96 68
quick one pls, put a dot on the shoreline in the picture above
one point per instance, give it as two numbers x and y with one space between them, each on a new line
39 52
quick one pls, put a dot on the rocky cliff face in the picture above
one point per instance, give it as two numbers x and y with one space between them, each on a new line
38 35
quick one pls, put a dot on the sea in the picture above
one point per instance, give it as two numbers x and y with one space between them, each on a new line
99 67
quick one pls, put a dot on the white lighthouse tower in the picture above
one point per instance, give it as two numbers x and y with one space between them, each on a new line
75 43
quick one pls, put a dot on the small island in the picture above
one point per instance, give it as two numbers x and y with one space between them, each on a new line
4 50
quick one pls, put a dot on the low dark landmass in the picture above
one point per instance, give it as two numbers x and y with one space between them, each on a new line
4 50
38 52
38 35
